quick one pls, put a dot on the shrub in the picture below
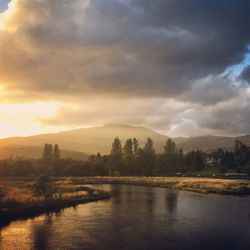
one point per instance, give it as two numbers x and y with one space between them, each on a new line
44 187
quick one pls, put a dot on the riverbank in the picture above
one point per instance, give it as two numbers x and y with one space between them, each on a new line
201 185
30 211
20 204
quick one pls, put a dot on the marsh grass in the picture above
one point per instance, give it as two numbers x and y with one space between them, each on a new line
202 185
19 192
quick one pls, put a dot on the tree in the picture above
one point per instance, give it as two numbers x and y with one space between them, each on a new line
56 153
172 158
116 148
149 156
116 155
128 149
135 146
47 153
194 160
170 147
241 153
44 187
128 156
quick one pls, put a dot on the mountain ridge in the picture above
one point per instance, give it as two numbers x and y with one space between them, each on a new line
100 138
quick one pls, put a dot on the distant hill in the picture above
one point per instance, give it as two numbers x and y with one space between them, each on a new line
34 152
99 139
209 143
87 140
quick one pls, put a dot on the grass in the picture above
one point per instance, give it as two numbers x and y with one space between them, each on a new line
202 185
19 202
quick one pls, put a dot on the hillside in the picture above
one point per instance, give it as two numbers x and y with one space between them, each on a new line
209 143
99 139
36 152
87 140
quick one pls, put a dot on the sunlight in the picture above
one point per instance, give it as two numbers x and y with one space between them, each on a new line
29 113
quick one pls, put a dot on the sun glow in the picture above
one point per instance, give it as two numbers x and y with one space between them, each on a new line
25 119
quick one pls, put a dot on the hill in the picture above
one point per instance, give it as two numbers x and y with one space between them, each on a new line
99 139
209 143
34 152
87 140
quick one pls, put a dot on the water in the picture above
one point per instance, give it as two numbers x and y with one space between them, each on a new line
139 218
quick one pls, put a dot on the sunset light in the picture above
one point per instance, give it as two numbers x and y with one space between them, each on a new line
125 124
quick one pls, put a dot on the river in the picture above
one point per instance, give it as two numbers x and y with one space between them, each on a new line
138 218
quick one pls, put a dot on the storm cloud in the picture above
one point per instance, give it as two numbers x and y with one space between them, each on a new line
175 51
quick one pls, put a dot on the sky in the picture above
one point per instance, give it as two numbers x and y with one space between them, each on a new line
180 67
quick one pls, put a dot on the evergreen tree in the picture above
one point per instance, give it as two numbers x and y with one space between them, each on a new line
128 149
116 156
170 147
47 153
128 157
56 153
241 153
171 158
116 148
135 146
149 156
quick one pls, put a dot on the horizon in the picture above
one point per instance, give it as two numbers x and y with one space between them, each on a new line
122 125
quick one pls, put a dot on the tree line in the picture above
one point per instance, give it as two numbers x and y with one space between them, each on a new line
130 159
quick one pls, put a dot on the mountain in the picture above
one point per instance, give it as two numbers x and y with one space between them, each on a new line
209 142
99 139
35 152
87 140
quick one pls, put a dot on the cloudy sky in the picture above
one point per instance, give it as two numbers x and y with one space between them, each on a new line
181 67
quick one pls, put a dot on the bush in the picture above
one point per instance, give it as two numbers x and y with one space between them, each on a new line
44 187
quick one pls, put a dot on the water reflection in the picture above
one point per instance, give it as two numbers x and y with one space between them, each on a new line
171 201
150 202
138 218
42 232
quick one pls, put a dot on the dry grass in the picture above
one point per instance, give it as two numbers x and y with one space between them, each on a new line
20 192
203 185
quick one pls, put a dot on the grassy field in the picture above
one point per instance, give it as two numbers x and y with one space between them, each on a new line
19 201
202 185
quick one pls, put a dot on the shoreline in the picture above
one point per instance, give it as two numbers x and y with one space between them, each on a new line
200 185
53 206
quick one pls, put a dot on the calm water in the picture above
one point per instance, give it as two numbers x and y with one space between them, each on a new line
139 218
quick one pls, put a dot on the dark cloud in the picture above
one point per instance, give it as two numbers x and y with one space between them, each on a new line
211 90
138 47
245 74
168 55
